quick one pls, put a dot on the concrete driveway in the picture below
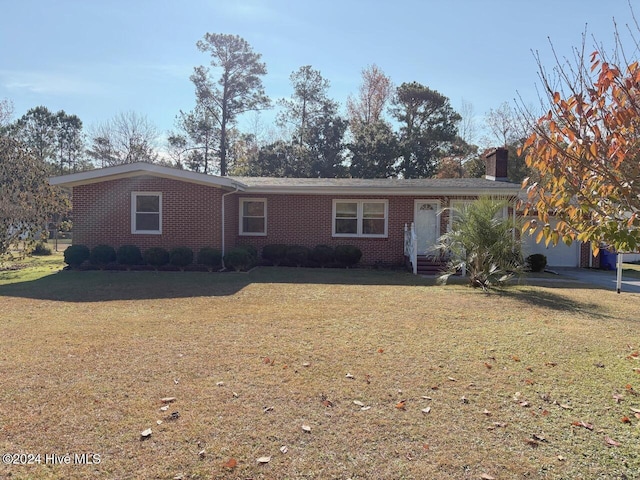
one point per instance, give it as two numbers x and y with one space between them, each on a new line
605 279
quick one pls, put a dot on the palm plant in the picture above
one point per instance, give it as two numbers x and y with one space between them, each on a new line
483 242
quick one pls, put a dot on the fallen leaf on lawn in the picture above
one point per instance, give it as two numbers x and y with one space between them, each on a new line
231 463
500 424
434 387
159 422
146 433
524 404
264 460
464 399
168 399
545 413
617 398
327 403
565 406
400 405
284 367
529 369
528 381
451 379
426 410
635 410
515 358
516 396
306 428
202 453
284 449
165 408
486 412
488 365
235 395
586 425
425 446
424 397
551 364
538 438
637 415
267 409
486 476
358 402
637 370
380 350
349 376
367 379
266 360
612 442
220 384
625 420
531 442
598 365
364 409
306 364
561 458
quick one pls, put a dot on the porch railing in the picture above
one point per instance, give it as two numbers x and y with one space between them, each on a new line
411 246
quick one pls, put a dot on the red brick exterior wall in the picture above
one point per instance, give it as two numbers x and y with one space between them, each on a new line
191 214
307 220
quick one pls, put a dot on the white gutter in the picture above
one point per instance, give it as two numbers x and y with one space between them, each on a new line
222 212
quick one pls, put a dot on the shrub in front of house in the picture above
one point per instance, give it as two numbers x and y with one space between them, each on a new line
181 257
129 255
536 262
348 255
237 259
274 253
252 251
41 249
323 255
102 255
210 257
298 255
156 256
76 255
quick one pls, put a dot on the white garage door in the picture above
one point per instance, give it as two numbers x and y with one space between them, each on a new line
559 256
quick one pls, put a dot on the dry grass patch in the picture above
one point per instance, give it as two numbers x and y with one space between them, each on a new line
87 357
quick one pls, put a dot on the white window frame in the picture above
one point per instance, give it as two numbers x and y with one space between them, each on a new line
360 203
241 217
134 230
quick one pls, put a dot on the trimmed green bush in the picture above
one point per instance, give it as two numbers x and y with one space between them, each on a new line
102 255
274 253
129 255
210 257
537 262
41 249
348 255
237 258
298 255
181 256
323 255
76 255
252 251
156 256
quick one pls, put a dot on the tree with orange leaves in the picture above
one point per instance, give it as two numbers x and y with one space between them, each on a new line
586 153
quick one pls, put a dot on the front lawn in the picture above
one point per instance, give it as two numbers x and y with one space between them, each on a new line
393 376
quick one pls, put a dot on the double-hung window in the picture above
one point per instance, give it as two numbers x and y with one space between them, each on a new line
360 218
253 216
146 212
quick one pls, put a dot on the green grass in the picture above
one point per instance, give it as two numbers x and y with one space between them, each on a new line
87 356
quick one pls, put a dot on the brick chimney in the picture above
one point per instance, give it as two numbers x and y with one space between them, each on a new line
496 161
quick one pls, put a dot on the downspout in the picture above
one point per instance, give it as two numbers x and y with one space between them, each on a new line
223 221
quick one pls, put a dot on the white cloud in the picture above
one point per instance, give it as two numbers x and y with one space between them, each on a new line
52 83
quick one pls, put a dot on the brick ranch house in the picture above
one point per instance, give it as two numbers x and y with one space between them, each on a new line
154 206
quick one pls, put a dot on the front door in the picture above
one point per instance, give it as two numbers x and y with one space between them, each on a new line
427 224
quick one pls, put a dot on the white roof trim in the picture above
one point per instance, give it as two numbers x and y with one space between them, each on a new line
135 169
377 191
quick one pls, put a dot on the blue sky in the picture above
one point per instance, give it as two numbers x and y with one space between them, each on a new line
96 58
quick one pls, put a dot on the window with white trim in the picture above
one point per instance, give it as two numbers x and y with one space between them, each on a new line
360 218
253 216
146 212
